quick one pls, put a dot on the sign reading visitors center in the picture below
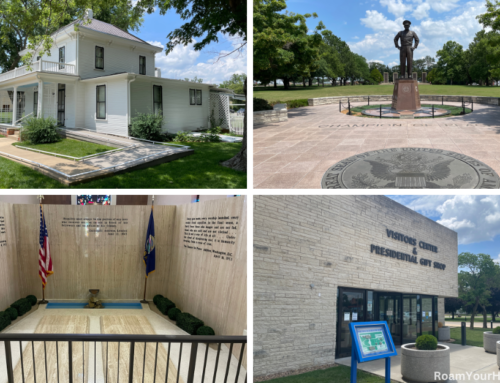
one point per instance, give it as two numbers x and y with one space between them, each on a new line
408 257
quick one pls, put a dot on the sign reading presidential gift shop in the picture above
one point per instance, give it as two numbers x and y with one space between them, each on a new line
408 257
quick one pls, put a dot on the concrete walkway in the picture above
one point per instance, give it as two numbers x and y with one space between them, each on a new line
297 153
161 326
464 360
478 323
134 155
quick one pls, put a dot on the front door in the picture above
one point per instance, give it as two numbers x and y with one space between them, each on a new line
61 104
389 308
351 308
411 318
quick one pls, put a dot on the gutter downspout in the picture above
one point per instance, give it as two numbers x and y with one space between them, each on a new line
129 101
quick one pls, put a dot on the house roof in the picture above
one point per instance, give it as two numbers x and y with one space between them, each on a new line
110 29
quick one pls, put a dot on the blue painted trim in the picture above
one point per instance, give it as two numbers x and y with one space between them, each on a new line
109 305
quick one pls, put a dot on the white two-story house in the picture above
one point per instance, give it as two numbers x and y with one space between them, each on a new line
98 77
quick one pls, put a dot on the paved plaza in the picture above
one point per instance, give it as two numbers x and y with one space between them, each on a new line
470 364
298 152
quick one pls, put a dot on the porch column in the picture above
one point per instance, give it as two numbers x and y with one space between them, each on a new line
39 112
14 106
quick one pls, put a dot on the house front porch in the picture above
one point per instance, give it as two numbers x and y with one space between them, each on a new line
35 95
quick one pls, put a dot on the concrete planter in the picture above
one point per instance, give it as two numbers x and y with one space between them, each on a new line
498 354
421 365
490 342
444 333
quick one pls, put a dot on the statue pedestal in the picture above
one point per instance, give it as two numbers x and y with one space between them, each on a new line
406 95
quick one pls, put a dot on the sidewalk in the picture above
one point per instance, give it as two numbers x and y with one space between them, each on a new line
463 360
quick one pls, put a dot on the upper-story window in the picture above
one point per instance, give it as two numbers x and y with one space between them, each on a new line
142 64
157 100
101 102
62 57
99 57
195 96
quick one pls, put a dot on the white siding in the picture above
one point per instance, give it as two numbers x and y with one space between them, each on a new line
117 59
178 114
116 107
70 50
49 100
70 106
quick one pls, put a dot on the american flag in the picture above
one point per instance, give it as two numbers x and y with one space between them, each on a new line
44 259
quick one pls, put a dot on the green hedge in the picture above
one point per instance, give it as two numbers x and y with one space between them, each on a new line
426 342
205 330
165 304
12 313
292 104
173 313
496 330
22 306
32 299
260 104
189 323
156 298
4 320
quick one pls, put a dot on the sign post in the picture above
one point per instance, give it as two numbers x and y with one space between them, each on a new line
371 341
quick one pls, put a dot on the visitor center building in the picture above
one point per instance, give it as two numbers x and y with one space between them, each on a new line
322 262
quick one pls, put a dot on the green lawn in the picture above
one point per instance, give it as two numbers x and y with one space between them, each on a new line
69 147
198 171
300 92
474 337
337 374
476 319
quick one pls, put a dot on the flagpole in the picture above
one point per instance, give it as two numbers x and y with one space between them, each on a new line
43 301
146 278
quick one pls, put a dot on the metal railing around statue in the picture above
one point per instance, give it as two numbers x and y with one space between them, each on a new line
69 360
466 104
343 106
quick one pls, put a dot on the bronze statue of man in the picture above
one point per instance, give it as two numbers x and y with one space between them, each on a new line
406 49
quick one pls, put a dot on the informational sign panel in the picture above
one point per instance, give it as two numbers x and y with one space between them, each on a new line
372 340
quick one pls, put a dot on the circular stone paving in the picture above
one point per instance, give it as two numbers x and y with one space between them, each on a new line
410 168
388 112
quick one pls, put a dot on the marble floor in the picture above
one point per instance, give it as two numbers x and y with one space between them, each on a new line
159 323
297 153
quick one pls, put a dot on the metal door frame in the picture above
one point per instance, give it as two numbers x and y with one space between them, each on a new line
340 292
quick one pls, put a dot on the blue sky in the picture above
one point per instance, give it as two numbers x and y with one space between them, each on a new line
185 61
369 26
475 218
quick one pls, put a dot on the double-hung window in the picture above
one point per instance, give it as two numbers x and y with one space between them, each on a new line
101 102
99 57
142 64
62 57
195 97
157 100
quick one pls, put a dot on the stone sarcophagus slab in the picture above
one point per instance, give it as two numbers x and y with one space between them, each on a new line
406 95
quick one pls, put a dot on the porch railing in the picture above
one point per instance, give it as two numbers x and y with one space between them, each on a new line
68 361
39 66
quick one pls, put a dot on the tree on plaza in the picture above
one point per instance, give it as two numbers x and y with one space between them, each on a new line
283 49
451 305
450 62
376 75
343 53
475 282
494 303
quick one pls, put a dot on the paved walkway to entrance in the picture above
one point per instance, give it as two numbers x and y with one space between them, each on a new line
478 323
464 359
297 153
136 153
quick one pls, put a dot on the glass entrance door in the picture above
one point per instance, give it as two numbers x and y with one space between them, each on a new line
389 308
351 308
427 316
411 320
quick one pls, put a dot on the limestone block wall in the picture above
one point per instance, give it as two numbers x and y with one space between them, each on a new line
265 117
325 241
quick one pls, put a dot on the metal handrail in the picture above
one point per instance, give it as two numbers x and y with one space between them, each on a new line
22 118
194 341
